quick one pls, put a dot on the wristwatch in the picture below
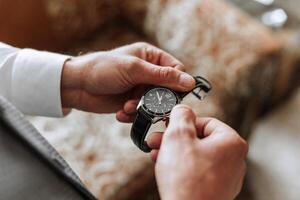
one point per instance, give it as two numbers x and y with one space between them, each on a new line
156 105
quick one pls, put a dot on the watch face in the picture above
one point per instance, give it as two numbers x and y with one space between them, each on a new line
160 100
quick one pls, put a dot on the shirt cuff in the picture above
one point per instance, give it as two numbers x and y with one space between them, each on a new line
36 84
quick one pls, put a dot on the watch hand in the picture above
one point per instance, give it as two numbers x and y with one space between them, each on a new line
159 98
157 95
162 94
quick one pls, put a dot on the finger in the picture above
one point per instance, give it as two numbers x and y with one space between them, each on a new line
158 75
216 132
208 126
123 117
130 106
159 57
152 54
154 155
154 140
181 123
200 126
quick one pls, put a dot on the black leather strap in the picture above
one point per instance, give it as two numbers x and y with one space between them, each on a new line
139 131
201 85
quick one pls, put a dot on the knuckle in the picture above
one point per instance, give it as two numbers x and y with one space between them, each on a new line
165 72
216 123
185 130
182 130
134 62
171 135
148 52
131 68
142 44
213 120
240 145
185 111
133 65
181 67
188 132
245 148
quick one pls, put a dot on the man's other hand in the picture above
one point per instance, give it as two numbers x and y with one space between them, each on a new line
198 158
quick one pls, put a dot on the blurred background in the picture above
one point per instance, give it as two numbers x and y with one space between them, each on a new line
249 50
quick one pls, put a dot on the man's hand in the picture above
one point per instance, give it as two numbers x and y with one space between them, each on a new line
199 158
111 81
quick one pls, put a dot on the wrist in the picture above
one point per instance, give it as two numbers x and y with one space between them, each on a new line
71 75
71 81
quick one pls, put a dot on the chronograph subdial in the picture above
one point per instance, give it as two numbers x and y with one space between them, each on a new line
160 100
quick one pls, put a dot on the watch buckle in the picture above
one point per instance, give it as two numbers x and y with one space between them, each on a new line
199 93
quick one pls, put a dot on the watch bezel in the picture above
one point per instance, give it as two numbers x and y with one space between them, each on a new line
147 110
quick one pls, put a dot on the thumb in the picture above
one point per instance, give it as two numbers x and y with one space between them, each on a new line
148 73
182 124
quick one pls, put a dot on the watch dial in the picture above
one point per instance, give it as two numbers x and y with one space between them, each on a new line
160 100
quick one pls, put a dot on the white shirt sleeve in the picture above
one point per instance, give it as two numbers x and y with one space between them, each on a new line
31 79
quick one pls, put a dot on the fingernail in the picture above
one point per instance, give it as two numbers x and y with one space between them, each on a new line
186 80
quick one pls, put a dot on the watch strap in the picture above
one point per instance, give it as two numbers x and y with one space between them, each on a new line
202 85
140 129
